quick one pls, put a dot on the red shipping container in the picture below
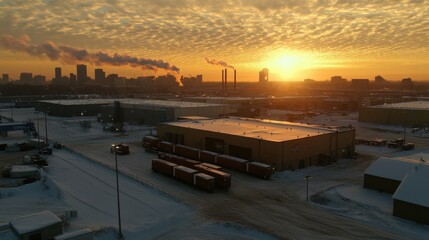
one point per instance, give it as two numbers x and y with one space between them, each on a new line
259 169
209 165
164 156
167 147
185 174
233 163
204 182
163 167
150 143
187 152
189 163
222 179
208 157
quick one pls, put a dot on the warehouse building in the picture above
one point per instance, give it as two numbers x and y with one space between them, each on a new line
131 110
284 145
72 107
386 174
155 111
42 225
407 179
411 200
406 113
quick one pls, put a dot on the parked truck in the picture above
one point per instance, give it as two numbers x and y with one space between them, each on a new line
120 149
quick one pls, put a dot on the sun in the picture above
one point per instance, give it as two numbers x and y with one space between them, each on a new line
289 65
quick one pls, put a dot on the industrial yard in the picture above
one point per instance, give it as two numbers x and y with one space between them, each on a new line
80 176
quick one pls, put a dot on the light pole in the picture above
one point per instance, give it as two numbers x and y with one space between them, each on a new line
307 177
46 130
38 132
117 192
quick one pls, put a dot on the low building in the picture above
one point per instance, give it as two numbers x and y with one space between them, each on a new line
411 199
82 234
72 107
386 174
406 113
24 171
42 225
284 145
131 110
154 111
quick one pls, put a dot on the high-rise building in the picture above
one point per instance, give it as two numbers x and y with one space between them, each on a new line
100 75
5 77
199 79
82 73
57 73
263 75
26 78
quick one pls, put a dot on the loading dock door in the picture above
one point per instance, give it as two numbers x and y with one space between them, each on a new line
214 145
240 152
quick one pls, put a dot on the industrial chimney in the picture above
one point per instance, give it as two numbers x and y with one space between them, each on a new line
223 81
226 80
235 80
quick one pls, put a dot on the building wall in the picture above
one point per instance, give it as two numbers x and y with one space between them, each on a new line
410 211
391 116
68 110
45 233
207 111
293 154
380 184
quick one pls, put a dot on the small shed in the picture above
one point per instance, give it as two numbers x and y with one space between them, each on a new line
411 199
385 174
42 225
24 171
83 234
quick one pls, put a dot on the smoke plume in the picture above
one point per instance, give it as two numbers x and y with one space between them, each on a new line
71 55
218 63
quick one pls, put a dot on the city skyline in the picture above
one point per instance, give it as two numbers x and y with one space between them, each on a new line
295 40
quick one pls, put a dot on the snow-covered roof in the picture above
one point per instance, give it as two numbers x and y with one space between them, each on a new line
255 128
414 187
391 168
23 169
130 101
186 169
73 234
34 222
417 105
205 176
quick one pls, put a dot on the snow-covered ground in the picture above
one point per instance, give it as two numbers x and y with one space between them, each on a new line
156 207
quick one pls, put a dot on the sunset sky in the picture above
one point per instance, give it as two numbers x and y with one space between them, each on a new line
294 39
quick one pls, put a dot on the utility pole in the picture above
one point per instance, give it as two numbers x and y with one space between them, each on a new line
117 192
38 131
46 130
307 177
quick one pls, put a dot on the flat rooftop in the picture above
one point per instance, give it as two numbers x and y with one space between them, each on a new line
131 101
417 105
269 130
34 222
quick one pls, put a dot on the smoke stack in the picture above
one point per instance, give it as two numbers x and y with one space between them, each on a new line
235 80
223 80
226 80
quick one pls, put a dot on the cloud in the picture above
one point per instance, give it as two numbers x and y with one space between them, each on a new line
243 29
